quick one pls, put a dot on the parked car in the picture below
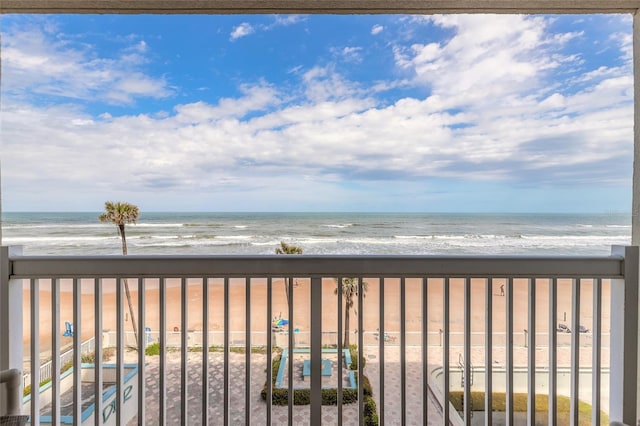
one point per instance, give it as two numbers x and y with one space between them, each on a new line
563 328
583 329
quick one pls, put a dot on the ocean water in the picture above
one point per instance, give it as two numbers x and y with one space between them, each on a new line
321 233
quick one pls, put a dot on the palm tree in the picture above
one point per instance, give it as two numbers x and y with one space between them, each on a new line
350 292
120 214
287 249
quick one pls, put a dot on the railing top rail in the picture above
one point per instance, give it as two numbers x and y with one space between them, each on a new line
313 265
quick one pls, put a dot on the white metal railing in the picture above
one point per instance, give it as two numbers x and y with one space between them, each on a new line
88 346
416 277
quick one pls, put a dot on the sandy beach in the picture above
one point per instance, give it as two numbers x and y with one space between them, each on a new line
301 297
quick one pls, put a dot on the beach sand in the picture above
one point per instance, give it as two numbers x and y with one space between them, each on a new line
301 313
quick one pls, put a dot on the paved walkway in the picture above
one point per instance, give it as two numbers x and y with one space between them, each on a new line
301 413
258 406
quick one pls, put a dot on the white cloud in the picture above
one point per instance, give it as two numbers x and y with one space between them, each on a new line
241 30
285 21
488 56
246 29
36 62
348 54
490 114
625 42
324 83
377 29
255 98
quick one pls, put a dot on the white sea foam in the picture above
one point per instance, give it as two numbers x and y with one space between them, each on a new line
271 243
374 234
158 225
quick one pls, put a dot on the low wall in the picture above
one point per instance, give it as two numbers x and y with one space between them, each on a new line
520 381
109 403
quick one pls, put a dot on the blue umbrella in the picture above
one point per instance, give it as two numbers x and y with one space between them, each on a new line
280 322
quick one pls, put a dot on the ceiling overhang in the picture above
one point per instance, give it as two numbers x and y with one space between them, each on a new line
317 6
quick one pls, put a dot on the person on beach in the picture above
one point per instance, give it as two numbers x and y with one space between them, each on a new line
502 290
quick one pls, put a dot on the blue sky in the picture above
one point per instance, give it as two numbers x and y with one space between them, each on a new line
461 113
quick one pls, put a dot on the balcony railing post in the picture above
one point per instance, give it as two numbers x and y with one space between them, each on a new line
624 339
10 320
316 351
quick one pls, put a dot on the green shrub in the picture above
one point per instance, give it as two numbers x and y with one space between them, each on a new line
280 396
349 396
67 366
366 386
27 389
108 353
152 349
329 398
353 351
88 358
370 412
303 396
240 349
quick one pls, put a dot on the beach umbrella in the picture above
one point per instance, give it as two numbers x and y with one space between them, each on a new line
280 322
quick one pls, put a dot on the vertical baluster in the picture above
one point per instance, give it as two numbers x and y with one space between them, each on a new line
269 350
553 350
596 333
467 350
184 346
97 390
316 352
425 347
289 284
119 352
509 321
55 351
403 353
77 363
35 351
205 351
445 349
163 352
381 334
531 356
142 346
225 390
360 351
488 353
340 348
575 351
247 385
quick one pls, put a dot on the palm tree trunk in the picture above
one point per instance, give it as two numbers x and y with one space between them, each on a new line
126 287
287 289
345 345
